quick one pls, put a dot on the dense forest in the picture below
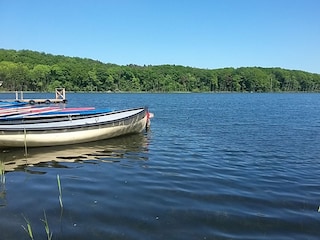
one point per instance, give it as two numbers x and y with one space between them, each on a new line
36 71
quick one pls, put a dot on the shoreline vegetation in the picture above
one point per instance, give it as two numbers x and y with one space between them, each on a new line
31 71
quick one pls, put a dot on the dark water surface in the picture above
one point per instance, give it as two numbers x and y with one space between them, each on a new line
213 166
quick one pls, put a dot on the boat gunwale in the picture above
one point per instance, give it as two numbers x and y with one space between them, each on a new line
60 117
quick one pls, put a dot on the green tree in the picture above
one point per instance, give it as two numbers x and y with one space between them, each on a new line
39 78
30 70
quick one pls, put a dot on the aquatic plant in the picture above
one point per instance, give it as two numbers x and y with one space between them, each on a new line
60 191
25 143
2 183
46 226
28 229
2 174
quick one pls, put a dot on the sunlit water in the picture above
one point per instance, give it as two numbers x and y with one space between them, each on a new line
213 166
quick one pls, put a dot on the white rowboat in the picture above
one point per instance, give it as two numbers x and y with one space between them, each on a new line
70 131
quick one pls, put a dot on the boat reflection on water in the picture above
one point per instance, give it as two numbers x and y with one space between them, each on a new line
132 147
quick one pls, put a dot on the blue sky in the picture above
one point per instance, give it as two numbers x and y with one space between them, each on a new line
206 34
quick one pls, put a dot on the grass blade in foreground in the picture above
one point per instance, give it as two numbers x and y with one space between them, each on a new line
46 226
28 229
60 191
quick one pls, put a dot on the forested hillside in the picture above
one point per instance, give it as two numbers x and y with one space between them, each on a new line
34 71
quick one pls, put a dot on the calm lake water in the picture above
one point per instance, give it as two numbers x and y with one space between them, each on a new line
213 166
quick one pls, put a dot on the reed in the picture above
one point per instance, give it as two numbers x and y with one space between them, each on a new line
46 226
2 181
2 174
28 229
60 191
25 143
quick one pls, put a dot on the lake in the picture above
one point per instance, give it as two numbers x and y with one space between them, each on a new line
212 166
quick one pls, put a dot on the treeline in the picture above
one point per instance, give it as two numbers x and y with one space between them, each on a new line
34 71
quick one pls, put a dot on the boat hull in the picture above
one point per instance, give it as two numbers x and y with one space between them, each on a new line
74 131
